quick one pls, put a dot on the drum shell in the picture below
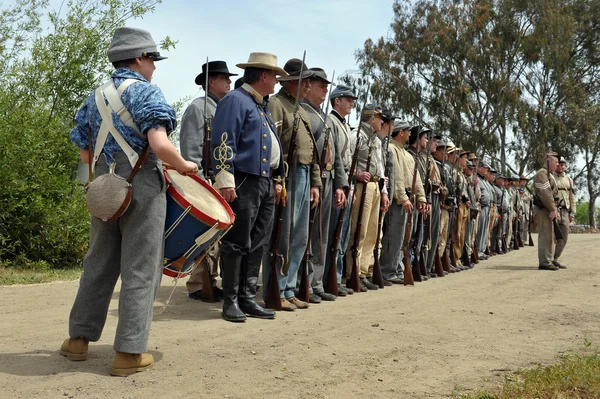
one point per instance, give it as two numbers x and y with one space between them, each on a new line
181 240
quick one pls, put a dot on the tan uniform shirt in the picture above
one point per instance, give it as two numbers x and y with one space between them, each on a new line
281 107
404 167
565 192
545 188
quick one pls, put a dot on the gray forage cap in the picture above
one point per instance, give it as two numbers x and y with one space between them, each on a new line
342 91
400 125
128 43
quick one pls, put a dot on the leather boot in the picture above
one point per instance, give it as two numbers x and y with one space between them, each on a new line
230 268
75 349
125 364
247 291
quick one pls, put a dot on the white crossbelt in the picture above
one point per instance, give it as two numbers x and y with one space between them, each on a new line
113 95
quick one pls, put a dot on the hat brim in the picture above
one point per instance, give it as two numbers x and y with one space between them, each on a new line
289 78
201 78
280 71
159 58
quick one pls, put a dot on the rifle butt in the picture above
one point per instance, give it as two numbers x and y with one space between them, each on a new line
377 276
530 240
416 269
304 289
354 281
408 274
208 294
452 257
466 259
439 269
422 265
331 286
557 231
273 297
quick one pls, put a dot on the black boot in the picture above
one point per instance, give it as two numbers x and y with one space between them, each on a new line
230 268
247 292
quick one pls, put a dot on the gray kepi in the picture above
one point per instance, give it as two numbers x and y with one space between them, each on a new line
128 43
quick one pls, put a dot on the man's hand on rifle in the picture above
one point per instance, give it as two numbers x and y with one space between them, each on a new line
364 177
385 201
422 207
340 198
278 194
314 197
553 215
228 194
408 206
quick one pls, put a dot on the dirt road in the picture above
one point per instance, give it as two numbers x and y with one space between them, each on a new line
400 342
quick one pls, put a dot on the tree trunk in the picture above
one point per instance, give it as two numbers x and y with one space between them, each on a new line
592 211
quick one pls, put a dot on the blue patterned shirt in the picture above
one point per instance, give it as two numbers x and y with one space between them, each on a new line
143 100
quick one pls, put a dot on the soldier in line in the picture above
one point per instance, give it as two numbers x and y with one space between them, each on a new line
484 216
369 170
566 205
248 166
305 177
342 101
192 139
334 180
545 211
526 198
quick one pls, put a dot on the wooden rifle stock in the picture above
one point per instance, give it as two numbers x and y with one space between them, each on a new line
416 266
451 242
304 289
377 276
273 295
437 262
408 274
331 287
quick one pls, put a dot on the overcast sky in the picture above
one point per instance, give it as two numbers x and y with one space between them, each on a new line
330 31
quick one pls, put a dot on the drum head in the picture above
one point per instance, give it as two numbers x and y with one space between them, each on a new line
201 196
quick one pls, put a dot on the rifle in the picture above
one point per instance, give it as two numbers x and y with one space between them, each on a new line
503 248
304 289
273 294
428 188
416 264
475 254
354 282
354 275
207 130
331 287
457 197
531 223
272 301
408 275
377 276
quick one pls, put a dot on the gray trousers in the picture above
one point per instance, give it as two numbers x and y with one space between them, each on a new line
564 228
483 230
434 220
545 236
132 247
320 236
391 257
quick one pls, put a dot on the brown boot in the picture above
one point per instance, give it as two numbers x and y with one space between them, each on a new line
126 364
75 349
287 306
298 303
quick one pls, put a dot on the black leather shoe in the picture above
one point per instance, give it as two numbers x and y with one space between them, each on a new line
326 297
547 267
363 288
368 284
253 309
559 265
349 290
217 293
342 291
314 298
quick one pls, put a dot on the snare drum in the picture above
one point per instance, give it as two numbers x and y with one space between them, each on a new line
197 218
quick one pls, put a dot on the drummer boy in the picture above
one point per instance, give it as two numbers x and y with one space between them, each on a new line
132 246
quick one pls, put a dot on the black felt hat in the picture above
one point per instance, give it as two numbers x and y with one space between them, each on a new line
214 68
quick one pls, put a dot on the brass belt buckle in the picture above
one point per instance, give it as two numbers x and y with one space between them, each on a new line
328 167
375 179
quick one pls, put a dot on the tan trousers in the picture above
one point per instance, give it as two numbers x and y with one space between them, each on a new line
444 220
194 283
545 236
458 241
491 226
473 237
368 232
564 228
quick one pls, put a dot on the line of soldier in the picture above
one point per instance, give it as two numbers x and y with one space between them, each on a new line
311 194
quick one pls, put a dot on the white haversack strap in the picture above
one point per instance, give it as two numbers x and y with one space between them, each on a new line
113 96
108 126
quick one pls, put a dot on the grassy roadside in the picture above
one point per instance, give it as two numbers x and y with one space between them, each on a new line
12 275
575 376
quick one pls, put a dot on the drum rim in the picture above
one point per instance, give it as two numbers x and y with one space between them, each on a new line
197 213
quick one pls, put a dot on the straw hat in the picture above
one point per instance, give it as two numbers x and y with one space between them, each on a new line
264 61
